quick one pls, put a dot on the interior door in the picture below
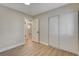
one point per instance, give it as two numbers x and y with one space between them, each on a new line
53 32
35 30
68 37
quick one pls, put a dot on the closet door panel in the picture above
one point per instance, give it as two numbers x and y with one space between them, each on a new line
53 31
68 41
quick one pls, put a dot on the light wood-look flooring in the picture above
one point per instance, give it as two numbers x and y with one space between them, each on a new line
35 49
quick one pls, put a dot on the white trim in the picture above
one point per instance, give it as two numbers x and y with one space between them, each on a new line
43 43
40 42
8 48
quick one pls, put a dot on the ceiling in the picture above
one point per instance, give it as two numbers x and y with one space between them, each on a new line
33 8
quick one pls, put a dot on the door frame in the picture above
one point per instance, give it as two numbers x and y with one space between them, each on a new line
39 30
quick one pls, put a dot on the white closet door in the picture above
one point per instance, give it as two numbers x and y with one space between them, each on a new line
53 31
68 38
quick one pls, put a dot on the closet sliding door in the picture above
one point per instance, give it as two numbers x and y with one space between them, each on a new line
53 31
68 32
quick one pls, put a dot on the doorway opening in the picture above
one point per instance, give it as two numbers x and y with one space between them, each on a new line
31 32
28 29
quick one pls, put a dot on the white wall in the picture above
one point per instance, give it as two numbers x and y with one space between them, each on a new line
44 19
11 28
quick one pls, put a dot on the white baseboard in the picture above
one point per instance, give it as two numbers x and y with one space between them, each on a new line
43 43
8 48
40 42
